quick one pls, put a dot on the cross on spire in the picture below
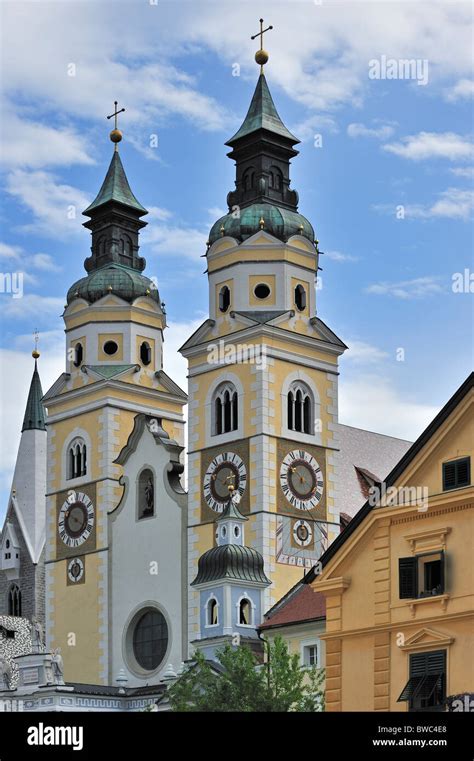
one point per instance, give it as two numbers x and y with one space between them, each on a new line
261 56
116 135
35 353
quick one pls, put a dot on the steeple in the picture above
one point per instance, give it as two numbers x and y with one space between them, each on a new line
34 413
262 149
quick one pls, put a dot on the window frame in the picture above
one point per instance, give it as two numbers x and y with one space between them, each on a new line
456 463
411 565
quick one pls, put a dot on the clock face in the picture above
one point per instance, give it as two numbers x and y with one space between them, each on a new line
75 570
76 519
302 533
226 469
301 479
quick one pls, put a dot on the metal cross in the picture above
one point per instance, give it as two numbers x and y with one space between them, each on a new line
261 33
36 339
116 113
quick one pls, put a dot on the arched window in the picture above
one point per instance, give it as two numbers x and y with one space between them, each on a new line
14 600
146 494
225 409
245 612
100 245
300 297
77 459
300 408
145 353
212 612
78 355
224 298
125 246
248 178
275 179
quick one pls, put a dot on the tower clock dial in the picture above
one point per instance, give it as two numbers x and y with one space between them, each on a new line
75 570
226 469
301 479
76 519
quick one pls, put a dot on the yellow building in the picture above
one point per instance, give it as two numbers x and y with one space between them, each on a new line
398 581
263 370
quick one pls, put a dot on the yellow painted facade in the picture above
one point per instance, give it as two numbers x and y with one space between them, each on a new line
372 630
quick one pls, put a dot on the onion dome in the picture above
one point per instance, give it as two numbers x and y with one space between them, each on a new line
125 282
280 222
231 561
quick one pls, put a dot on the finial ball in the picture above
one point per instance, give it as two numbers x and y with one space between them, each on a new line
261 57
116 136
35 354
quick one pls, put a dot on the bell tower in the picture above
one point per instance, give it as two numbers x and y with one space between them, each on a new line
115 436
263 368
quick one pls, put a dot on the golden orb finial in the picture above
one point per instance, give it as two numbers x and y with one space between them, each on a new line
261 56
115 135
35 354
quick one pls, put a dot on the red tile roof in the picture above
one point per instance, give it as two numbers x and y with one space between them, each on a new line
303 605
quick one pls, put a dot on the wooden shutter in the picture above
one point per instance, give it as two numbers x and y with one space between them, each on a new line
407 577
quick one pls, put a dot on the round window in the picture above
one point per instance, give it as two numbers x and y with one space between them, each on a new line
150 639
262 291
110 347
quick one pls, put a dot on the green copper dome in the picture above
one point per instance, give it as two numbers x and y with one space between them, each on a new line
125 282
279 222
231 561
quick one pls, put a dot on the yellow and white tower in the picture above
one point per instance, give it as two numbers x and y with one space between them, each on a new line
263 369
115 508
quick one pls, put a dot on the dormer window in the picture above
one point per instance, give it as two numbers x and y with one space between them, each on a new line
457 473
77 459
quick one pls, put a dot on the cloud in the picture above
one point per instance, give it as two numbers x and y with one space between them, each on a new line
464 89
417 288
312 127
452 203
337 256
56 207
432 145
32 305
35 145
370 401
360 130
360 351
44 262
463 171
170 238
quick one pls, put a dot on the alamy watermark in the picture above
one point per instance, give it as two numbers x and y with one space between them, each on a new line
381 495
399 68
223 353
12 282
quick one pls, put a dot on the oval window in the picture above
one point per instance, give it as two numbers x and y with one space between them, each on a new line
150 639
110 348
300 298
145 353
262 291
78 354
224 298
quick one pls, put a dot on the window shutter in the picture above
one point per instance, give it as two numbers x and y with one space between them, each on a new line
463 474
449 475
442 576
457 473
407 578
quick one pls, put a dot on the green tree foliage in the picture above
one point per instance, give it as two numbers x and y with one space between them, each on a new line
242 684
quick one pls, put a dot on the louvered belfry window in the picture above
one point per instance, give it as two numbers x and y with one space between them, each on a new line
426 687
457 473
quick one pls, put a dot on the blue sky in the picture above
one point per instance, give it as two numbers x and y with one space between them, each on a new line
368 146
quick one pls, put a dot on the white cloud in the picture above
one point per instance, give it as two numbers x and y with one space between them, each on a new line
7 251
463 171
432 145
337 256
371 401
452 203
175 240
408 289
32 305
56 207
44 262
360 130
34 145
360 351
462 89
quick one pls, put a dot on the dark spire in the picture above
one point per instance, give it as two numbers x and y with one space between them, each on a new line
115 222
262 149
34 413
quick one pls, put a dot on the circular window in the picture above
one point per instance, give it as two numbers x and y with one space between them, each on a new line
150 639
110 347
262 291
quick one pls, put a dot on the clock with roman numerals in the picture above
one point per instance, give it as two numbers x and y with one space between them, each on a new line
301 479
226 469
76 519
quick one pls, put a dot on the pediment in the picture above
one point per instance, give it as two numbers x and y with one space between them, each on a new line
427 637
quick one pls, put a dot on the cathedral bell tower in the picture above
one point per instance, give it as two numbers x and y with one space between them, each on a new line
115 435
263 368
